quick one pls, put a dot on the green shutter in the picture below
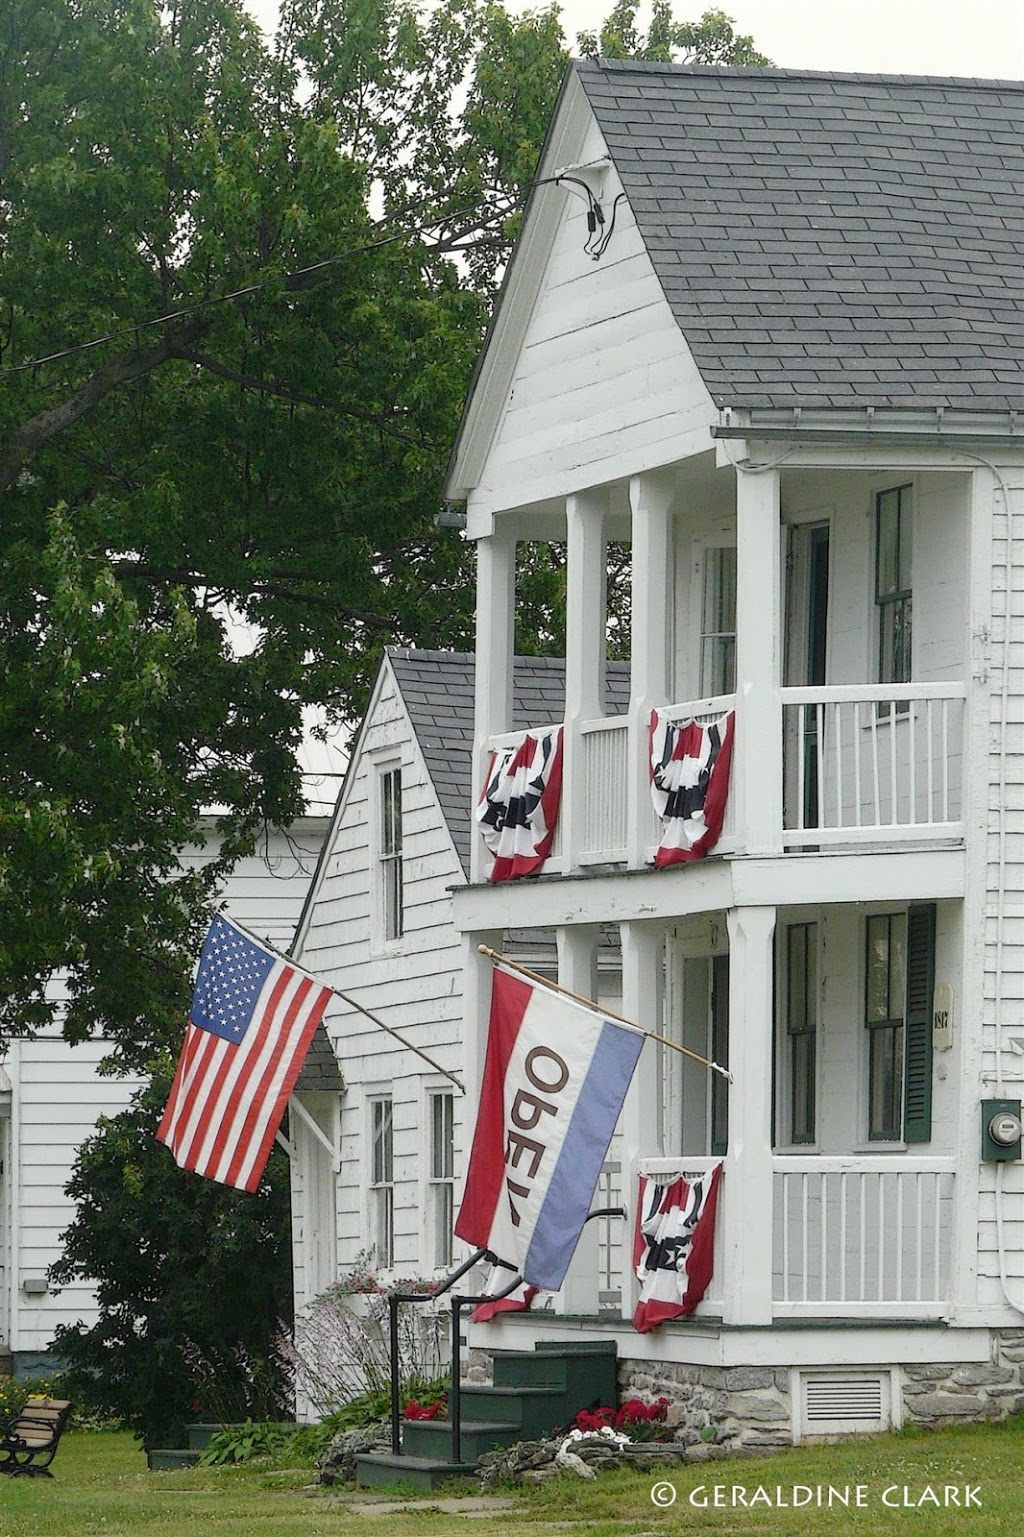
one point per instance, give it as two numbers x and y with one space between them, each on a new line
917 1105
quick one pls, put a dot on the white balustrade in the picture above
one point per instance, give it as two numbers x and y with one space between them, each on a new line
856 1236
604 745
869 759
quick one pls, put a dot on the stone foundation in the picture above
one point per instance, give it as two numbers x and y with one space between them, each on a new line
734 1407
942 1394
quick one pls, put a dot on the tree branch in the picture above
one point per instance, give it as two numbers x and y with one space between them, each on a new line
120 370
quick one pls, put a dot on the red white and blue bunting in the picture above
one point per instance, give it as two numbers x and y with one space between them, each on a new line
518 809
673 1245
689 784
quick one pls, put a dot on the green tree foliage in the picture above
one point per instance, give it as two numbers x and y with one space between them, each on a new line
242 288
711 40
193 1281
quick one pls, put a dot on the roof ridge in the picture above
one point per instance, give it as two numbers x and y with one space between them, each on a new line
604 65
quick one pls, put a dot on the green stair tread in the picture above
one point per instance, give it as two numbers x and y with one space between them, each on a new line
374 1469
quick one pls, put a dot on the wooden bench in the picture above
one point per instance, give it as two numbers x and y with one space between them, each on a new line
30 1439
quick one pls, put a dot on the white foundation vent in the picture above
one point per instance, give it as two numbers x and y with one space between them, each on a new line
840 1403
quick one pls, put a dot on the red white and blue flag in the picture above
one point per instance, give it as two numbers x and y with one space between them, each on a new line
555 1076
689 784
518 807
252 1018
673 1245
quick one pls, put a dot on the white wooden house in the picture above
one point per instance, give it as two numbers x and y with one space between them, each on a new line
52 1094
785 365
378 1136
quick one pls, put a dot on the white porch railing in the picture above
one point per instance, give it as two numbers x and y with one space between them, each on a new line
604 745
865 759
860 1236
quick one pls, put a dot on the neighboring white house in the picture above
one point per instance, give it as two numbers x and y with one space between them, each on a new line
51 1093
377 1185
792 380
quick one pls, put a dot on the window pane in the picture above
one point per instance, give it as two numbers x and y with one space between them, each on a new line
897 965
383 1142
443 1219
886 1083
718 622
878 970
888 550
391 801
797 982
442 1143
802 1087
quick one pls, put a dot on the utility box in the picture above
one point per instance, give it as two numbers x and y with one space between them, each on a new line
1000 1130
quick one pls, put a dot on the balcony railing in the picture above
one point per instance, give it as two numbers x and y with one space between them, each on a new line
860 763
862 1236
871 760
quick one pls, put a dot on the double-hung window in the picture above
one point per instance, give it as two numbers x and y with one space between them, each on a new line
899 986
801 1044
718 622
382 1181
893 592
442 1176
390 856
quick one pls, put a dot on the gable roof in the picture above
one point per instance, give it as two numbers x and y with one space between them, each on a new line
437 687
825 240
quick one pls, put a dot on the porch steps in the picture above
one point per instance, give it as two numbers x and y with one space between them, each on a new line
533 1392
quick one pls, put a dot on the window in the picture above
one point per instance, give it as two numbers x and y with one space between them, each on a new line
719 1054
391 852
382 1182
442 1177
884 1016
893 597
801 1043
899 984
718 622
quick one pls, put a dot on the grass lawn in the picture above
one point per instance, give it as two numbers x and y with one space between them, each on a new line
101 1486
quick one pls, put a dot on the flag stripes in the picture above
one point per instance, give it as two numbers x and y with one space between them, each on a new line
239 1064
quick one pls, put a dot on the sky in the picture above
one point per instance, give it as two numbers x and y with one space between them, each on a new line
921 37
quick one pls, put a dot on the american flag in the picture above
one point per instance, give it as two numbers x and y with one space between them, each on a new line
252 1018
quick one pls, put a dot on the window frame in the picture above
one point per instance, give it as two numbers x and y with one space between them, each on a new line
710 552
795 1075
389 853
441 1178
894 604
381 1181
886 1033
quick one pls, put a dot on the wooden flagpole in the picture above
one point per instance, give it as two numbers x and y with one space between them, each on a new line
360 1009
596 1008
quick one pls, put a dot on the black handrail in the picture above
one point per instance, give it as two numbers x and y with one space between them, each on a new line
395 1298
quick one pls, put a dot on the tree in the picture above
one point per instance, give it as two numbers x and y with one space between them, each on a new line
193 1283
711 40
237 324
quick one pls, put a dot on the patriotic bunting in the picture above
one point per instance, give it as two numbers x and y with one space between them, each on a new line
519 805
673 1246
252 1018
689 784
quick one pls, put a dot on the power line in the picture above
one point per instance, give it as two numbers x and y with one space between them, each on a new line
239 293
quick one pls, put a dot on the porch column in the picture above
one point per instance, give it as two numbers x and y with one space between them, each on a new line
476 1010
642 991
585 600
650 501
757 764
495 629
747 1188
577 970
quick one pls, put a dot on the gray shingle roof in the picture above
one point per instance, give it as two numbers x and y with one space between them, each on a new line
829 240
320 1070
437 687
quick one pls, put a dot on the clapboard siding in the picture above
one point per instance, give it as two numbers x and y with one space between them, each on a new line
412 983
58 1095
603 377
